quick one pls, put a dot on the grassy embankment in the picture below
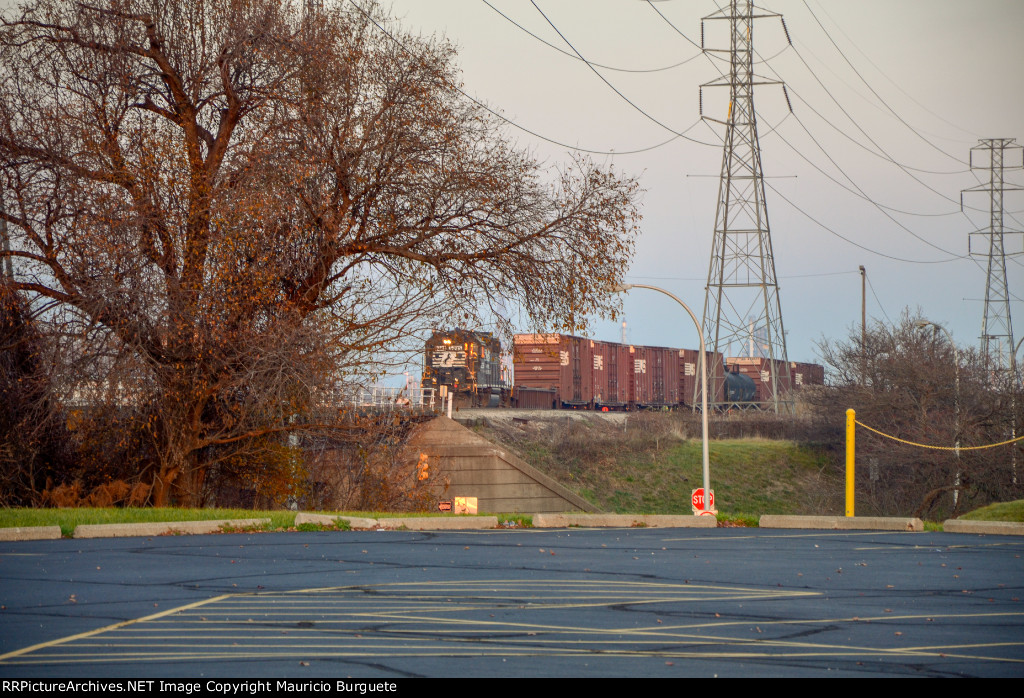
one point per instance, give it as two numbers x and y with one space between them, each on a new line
650 467
1002 511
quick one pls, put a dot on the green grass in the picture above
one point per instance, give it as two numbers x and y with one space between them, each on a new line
515 520
738 519
646 471
68 519
1003 511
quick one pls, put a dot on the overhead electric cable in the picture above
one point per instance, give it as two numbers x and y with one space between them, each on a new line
576 57
894 83
455 88
874 92
881 150
860 192
710 55
880 306
856 244
610 85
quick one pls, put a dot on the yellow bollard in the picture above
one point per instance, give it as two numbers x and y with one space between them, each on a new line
851 416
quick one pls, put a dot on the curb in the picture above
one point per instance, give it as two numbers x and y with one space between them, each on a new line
162 529
623 521
542 521
842 523
999 528
30 533
455 523
354 522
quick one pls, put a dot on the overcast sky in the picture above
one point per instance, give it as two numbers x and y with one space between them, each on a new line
917 82
895 105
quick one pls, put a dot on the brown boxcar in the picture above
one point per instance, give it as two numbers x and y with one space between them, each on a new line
655 377
806 374
759 370
558 362
689 377
612 375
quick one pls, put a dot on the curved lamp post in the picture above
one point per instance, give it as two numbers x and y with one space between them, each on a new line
956 365
703 383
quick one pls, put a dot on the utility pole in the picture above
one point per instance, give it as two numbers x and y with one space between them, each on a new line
742 286
863 326
996 325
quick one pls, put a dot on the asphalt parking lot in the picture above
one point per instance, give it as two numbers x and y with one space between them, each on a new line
571 602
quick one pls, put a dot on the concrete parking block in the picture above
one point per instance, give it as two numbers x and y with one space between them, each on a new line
560 520
996 528
163 528
440 523
30 533
326 520
842 523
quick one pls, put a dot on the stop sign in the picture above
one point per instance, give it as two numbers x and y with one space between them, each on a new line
697 500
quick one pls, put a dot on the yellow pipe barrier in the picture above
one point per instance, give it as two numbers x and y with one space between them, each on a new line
851 419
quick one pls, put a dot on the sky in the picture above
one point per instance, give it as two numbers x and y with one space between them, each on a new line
888 98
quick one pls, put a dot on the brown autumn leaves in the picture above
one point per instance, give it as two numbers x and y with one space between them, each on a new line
219 211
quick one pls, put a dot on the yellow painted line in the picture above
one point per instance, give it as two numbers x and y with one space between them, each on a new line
830 534
107 628
512 605
515 583
498 651
401 637
958 546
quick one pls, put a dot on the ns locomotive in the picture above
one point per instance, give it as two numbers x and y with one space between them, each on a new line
466 363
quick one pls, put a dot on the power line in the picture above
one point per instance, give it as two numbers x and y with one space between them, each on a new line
610 85
894 83
875 93
710 55
856 244
880 306
455 88
576 57
859 192
701 278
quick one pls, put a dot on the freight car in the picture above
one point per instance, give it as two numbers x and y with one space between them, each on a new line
468 364
559 371
555 371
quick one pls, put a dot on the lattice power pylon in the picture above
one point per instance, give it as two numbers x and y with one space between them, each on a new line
742 313
996 326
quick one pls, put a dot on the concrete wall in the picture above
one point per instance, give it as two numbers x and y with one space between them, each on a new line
499 480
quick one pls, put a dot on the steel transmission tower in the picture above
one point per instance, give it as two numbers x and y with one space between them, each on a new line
996 327
742 313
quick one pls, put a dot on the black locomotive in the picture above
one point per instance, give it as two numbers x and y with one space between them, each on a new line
467 363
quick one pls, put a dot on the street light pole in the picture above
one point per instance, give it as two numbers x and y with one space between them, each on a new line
703 383
956 366
1013 409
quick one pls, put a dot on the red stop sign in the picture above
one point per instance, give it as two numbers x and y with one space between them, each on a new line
697 499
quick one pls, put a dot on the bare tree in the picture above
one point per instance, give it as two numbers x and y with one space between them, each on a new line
909 384
244 207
